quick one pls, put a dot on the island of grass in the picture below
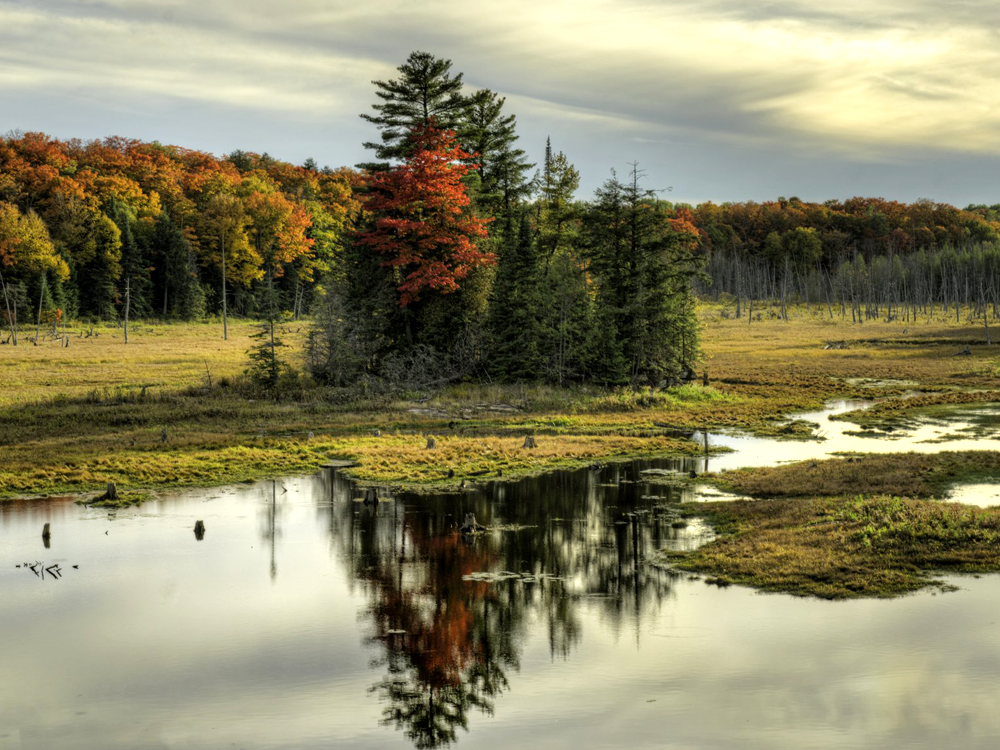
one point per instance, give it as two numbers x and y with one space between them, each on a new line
849 527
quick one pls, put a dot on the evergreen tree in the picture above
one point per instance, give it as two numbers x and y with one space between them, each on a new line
183 296
489 135
98 266
425 93
135 266
642 262
515 329
557 213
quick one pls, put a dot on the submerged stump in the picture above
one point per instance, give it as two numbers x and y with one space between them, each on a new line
470 525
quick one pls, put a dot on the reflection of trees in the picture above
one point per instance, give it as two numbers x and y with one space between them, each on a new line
270 513
447 644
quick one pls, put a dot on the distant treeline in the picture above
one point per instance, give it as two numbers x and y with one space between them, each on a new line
864 259
824 233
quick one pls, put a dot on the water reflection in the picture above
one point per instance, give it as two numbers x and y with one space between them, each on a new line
446 644
386 628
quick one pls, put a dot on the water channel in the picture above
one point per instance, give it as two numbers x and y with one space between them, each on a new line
304 618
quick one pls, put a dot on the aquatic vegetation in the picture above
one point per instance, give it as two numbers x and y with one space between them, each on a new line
896 412
125 499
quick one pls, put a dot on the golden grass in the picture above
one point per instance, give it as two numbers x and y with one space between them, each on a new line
402 458
158 355
773 354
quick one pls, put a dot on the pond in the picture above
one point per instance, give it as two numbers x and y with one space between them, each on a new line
304 618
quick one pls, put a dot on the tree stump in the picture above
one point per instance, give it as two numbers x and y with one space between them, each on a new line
163 435
470 526
199 530
704 379
112 492
376 433
529 442
46 535
431 443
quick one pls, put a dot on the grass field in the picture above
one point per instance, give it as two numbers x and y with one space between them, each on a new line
158 356
73 418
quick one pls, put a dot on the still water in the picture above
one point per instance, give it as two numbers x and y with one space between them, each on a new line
306 619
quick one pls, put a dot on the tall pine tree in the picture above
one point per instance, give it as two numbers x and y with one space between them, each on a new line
489 135
425 91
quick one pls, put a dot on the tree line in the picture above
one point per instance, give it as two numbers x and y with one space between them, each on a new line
187 233
450 255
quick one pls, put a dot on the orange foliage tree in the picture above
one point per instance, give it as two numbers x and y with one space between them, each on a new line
422 225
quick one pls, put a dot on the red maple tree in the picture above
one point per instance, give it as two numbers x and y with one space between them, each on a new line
422 225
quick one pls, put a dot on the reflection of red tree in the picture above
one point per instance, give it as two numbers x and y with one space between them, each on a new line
437 610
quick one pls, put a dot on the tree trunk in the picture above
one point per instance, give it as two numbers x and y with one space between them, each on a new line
128 301
225 328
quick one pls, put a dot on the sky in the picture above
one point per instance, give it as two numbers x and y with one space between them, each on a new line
723 100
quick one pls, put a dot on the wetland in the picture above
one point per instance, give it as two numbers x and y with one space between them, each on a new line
611 599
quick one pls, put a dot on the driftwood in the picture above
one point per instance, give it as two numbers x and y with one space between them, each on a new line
964 352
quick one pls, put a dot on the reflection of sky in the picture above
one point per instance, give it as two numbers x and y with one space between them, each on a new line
159 641
928 436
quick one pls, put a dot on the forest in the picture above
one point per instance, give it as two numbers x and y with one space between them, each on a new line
451 255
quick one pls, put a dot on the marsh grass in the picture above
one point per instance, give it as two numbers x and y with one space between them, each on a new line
73 418
838 548
915 475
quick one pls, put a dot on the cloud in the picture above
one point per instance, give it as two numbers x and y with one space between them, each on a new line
860 81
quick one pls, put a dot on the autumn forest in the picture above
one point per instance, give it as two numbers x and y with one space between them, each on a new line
453 254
